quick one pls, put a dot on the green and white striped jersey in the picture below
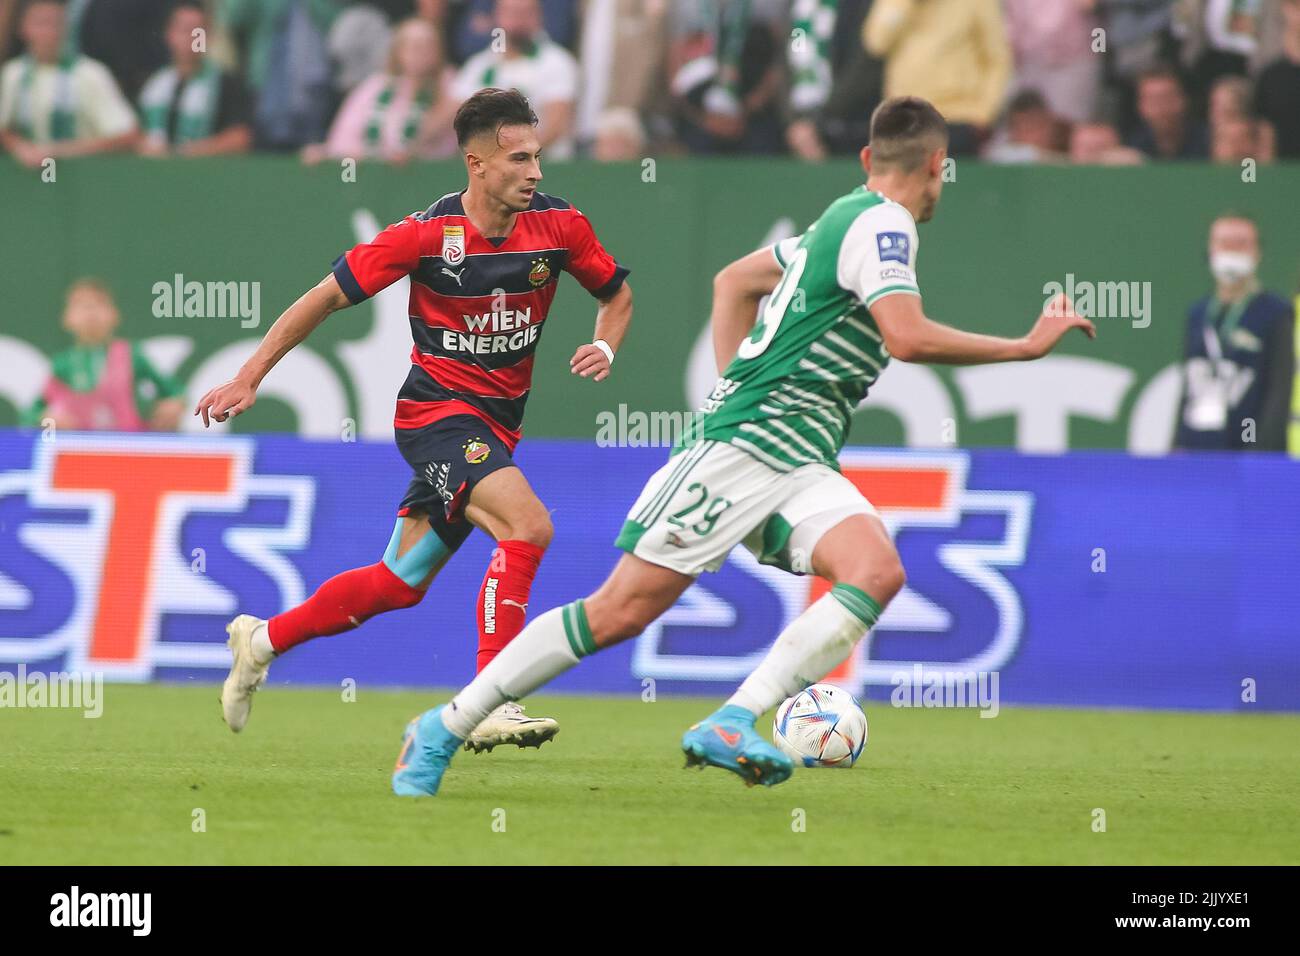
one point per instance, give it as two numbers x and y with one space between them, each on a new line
787 396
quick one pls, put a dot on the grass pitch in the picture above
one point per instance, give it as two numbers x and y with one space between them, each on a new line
307 782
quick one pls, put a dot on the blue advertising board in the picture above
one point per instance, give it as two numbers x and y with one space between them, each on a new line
1087 579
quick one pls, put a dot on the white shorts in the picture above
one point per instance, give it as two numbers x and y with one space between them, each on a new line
713 496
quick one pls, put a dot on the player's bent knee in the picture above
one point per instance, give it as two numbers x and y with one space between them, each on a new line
882 579
537 530
386 591
411 596
416 565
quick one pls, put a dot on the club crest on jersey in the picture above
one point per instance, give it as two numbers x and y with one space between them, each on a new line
539 273
476 451
453 244
893 247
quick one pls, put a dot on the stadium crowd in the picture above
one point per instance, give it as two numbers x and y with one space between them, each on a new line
1021 81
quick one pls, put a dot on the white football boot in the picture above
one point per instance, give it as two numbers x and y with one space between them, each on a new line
246 674
508 724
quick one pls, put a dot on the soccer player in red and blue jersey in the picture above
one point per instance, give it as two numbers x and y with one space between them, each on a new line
483 265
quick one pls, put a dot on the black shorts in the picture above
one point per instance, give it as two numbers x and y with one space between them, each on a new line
449 457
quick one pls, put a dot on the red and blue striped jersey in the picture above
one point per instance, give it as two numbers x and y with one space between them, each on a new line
477 306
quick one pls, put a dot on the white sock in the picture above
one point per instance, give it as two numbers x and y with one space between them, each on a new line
261 644
809 649
544 650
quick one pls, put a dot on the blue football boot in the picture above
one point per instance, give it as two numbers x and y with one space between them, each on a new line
427 749
727 739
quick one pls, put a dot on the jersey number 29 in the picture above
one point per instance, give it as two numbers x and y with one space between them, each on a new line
777 304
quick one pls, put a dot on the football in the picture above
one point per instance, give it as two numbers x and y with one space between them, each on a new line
821 726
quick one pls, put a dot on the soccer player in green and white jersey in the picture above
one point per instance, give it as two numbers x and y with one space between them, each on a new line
761 467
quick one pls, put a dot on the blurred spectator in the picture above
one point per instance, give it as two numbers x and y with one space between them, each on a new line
624 46
438 13
1268 45
59 106
192 108
358 44
1097 144
8 20
404 110
395 11
1277 89
1238 361
359 57
1139 37
1234 139
619 136
559 18
1218 39
286 65
124 35
952 52
835 85
104 383
724 70
1032 133
526 59
1166 129
1051 44
1229 102
1229 98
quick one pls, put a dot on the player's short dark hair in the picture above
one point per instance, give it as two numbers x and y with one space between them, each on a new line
488 110
905 130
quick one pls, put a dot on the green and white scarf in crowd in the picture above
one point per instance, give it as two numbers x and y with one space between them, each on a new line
811 24
717 72
63 115
732 32
196 106
414 117
530 50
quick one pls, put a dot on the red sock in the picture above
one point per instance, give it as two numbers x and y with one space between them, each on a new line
503 599
340 604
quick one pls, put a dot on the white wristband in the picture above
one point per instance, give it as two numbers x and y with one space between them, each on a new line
604 347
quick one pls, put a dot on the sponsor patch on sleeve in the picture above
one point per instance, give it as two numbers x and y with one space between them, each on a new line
893 247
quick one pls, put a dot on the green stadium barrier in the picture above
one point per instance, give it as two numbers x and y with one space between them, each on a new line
1002 235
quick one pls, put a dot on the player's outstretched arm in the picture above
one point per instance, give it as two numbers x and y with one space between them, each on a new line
294 325
911 337
612 319
737 290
